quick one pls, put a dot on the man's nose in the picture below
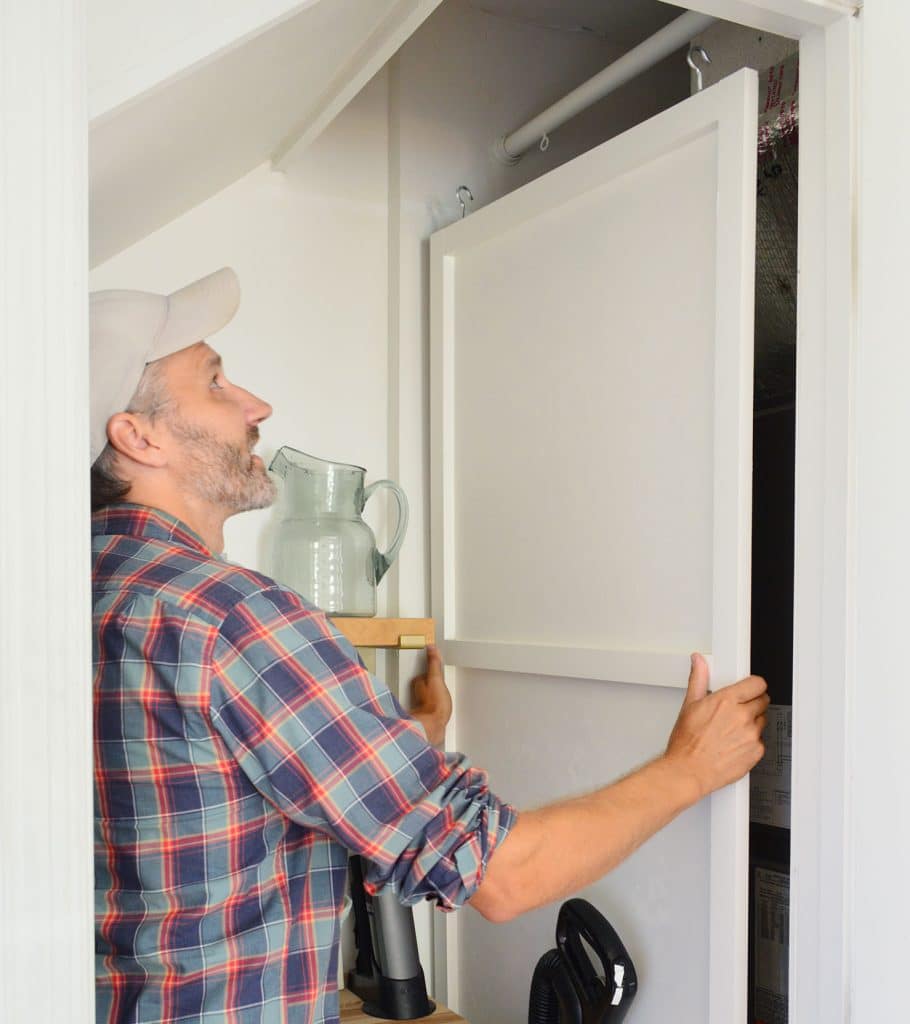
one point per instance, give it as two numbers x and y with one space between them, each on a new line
257 410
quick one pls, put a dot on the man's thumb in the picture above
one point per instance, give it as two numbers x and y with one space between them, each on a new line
699 677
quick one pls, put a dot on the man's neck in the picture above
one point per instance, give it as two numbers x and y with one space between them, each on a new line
200 517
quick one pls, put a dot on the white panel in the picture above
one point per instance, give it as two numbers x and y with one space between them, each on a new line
653 668
46 947
591 482
656 900
591 375
577 331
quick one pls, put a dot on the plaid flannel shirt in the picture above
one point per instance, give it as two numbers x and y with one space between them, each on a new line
241 750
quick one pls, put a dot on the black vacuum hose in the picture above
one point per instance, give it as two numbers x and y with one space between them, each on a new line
543 1006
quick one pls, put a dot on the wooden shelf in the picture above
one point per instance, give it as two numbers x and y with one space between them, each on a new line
400 634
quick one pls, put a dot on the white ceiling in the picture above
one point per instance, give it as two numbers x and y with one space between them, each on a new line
621 21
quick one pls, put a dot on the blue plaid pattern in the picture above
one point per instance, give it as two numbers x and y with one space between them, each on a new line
241 750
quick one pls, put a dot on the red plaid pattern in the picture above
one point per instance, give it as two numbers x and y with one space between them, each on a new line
241 750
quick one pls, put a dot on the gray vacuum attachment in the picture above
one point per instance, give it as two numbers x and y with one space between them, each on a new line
388 976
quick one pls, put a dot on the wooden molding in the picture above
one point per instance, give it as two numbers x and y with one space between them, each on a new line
390 35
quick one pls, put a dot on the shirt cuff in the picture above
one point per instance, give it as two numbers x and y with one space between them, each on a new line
446 860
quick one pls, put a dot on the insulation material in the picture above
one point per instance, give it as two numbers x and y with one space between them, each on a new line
769 781
775 271
771 946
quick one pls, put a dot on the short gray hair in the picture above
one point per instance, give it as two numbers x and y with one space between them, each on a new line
151 398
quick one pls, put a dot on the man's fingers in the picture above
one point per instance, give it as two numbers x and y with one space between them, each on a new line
699 677
746 689
434 663
759 705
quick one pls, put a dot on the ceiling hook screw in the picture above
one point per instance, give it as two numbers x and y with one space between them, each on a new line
690 60
460 193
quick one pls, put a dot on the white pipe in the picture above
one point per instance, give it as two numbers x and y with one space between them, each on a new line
670 38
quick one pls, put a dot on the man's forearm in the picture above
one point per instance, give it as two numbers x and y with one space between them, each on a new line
560 849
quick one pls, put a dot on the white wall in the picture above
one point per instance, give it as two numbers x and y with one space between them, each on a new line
877 737
465 78
46 940
310 249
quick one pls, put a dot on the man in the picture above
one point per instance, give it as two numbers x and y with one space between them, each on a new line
241 749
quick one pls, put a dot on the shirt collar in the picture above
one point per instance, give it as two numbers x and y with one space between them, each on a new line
144 521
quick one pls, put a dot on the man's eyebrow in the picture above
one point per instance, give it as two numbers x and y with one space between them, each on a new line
212 361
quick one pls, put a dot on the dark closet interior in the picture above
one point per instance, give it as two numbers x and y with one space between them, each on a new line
774 439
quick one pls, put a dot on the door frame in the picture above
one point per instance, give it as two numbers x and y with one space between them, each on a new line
824 613
825 548
46 869
820 954
824 619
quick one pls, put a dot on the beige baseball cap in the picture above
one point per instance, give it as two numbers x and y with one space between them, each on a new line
128 329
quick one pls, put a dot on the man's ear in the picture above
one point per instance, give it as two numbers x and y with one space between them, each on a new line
133 436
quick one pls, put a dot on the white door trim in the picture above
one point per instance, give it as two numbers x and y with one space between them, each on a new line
824 628
824 613
46 965
793 18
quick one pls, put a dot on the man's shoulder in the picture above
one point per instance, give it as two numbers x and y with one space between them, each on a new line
196 584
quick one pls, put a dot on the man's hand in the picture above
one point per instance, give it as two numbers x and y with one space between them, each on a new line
560 849
431 702
717 737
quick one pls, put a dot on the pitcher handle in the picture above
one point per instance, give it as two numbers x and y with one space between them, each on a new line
383 560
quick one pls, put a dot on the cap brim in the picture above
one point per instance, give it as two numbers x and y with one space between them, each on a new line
197 311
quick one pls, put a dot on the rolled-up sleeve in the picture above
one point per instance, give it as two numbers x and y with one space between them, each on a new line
330 747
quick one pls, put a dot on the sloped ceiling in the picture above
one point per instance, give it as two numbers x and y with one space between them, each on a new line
621 21
133 46
165 153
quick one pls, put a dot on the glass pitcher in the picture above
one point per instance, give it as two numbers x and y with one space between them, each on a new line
323 548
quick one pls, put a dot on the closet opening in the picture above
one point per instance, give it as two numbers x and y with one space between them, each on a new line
773 498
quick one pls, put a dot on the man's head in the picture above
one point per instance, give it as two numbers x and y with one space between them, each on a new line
183 440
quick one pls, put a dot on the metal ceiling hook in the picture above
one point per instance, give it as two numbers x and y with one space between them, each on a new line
460 194
690 60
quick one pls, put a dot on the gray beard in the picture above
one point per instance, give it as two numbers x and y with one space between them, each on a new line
222 473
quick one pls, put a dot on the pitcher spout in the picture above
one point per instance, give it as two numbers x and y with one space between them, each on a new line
280 464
